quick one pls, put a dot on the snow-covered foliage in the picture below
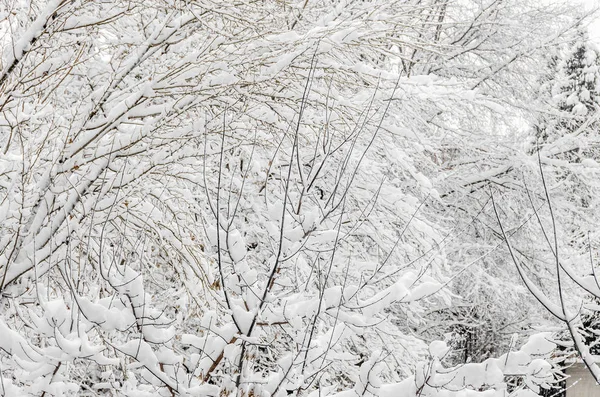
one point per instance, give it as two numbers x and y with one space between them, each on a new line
214 198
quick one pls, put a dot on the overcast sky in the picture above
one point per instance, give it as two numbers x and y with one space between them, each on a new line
594 27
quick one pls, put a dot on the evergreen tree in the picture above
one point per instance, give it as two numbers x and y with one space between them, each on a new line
574 95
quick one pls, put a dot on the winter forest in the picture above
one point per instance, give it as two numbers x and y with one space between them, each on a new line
307 198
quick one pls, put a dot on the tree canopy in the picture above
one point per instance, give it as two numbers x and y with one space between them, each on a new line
307 197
